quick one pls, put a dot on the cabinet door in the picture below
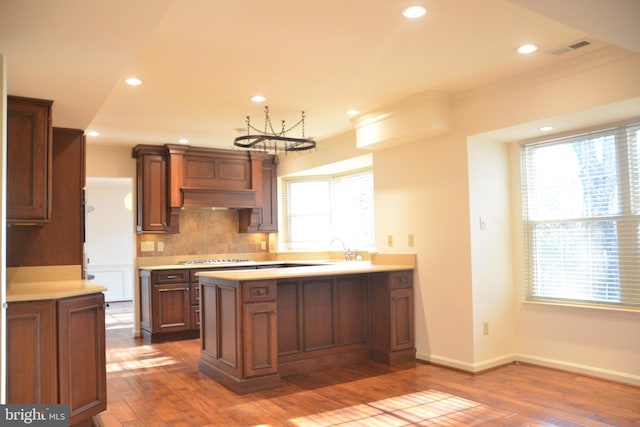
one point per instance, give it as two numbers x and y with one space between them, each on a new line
82 360
401 313
31 353
269 211
152 193
28 159
260 339
171 307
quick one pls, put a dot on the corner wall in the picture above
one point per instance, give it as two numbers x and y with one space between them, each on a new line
438 188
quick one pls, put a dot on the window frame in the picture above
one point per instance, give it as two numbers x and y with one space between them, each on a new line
285 239
628 183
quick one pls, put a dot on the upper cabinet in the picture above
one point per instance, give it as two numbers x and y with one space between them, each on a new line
29 157
58 241
265 218
153 212
171 177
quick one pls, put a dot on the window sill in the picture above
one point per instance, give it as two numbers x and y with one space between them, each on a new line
579 306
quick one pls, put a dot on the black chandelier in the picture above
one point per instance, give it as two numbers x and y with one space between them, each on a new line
271 141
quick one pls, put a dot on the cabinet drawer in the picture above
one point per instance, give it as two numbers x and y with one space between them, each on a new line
401 279
258 291
170 276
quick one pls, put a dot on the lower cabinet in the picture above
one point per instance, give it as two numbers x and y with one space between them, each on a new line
392 325
239 334
56 354
168 305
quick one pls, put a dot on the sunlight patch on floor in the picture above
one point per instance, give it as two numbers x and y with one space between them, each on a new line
429 407
134 358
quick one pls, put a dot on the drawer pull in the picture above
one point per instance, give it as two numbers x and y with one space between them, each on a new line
172 277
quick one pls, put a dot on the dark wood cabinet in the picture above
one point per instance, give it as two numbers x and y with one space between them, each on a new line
265 218
32 246
259 323
255 331
239 334
173 305
29 158
153 211
32 352
171 177
56 354
167 305
81 356
392 330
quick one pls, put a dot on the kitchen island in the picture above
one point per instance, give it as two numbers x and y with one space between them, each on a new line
262 324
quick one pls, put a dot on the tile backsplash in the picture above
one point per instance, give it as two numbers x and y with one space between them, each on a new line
204 231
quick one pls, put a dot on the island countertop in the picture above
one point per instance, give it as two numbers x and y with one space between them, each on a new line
329 269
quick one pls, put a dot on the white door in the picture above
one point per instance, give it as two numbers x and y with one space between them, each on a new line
109 228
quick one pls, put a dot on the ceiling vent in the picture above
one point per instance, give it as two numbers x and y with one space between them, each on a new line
570 48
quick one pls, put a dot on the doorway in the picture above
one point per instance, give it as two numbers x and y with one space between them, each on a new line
109 236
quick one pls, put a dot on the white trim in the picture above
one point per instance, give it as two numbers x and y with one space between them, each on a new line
591 371
479 367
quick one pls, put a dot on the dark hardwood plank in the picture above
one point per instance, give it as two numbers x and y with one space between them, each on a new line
159 385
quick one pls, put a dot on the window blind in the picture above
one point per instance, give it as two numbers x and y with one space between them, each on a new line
581 202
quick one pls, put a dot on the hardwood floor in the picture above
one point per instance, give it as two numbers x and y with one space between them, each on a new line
159 385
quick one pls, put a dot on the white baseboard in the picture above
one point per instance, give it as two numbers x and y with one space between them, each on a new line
474 368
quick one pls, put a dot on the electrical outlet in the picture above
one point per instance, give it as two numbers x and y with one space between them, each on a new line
160 246
263 245
389 240
485 328
147 247
410 240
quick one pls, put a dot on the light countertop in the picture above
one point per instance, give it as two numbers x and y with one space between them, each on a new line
332 269
248 264
54 289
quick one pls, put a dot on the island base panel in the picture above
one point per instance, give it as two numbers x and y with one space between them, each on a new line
303 366
394 357
239 385
149 337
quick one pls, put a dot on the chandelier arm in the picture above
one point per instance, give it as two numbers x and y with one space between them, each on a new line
298 144
274 141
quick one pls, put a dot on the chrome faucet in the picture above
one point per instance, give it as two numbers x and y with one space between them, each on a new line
349 254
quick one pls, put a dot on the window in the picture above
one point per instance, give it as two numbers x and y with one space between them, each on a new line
319 209
581 201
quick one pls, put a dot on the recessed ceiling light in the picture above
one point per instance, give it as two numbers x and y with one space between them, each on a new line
93 133
258 98
527 48
414 12
133 81
352 112
546 128
183 141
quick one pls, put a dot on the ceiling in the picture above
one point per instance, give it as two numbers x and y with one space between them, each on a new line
201 60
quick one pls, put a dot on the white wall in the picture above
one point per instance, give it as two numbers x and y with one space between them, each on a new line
438 188
492 253
579 339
